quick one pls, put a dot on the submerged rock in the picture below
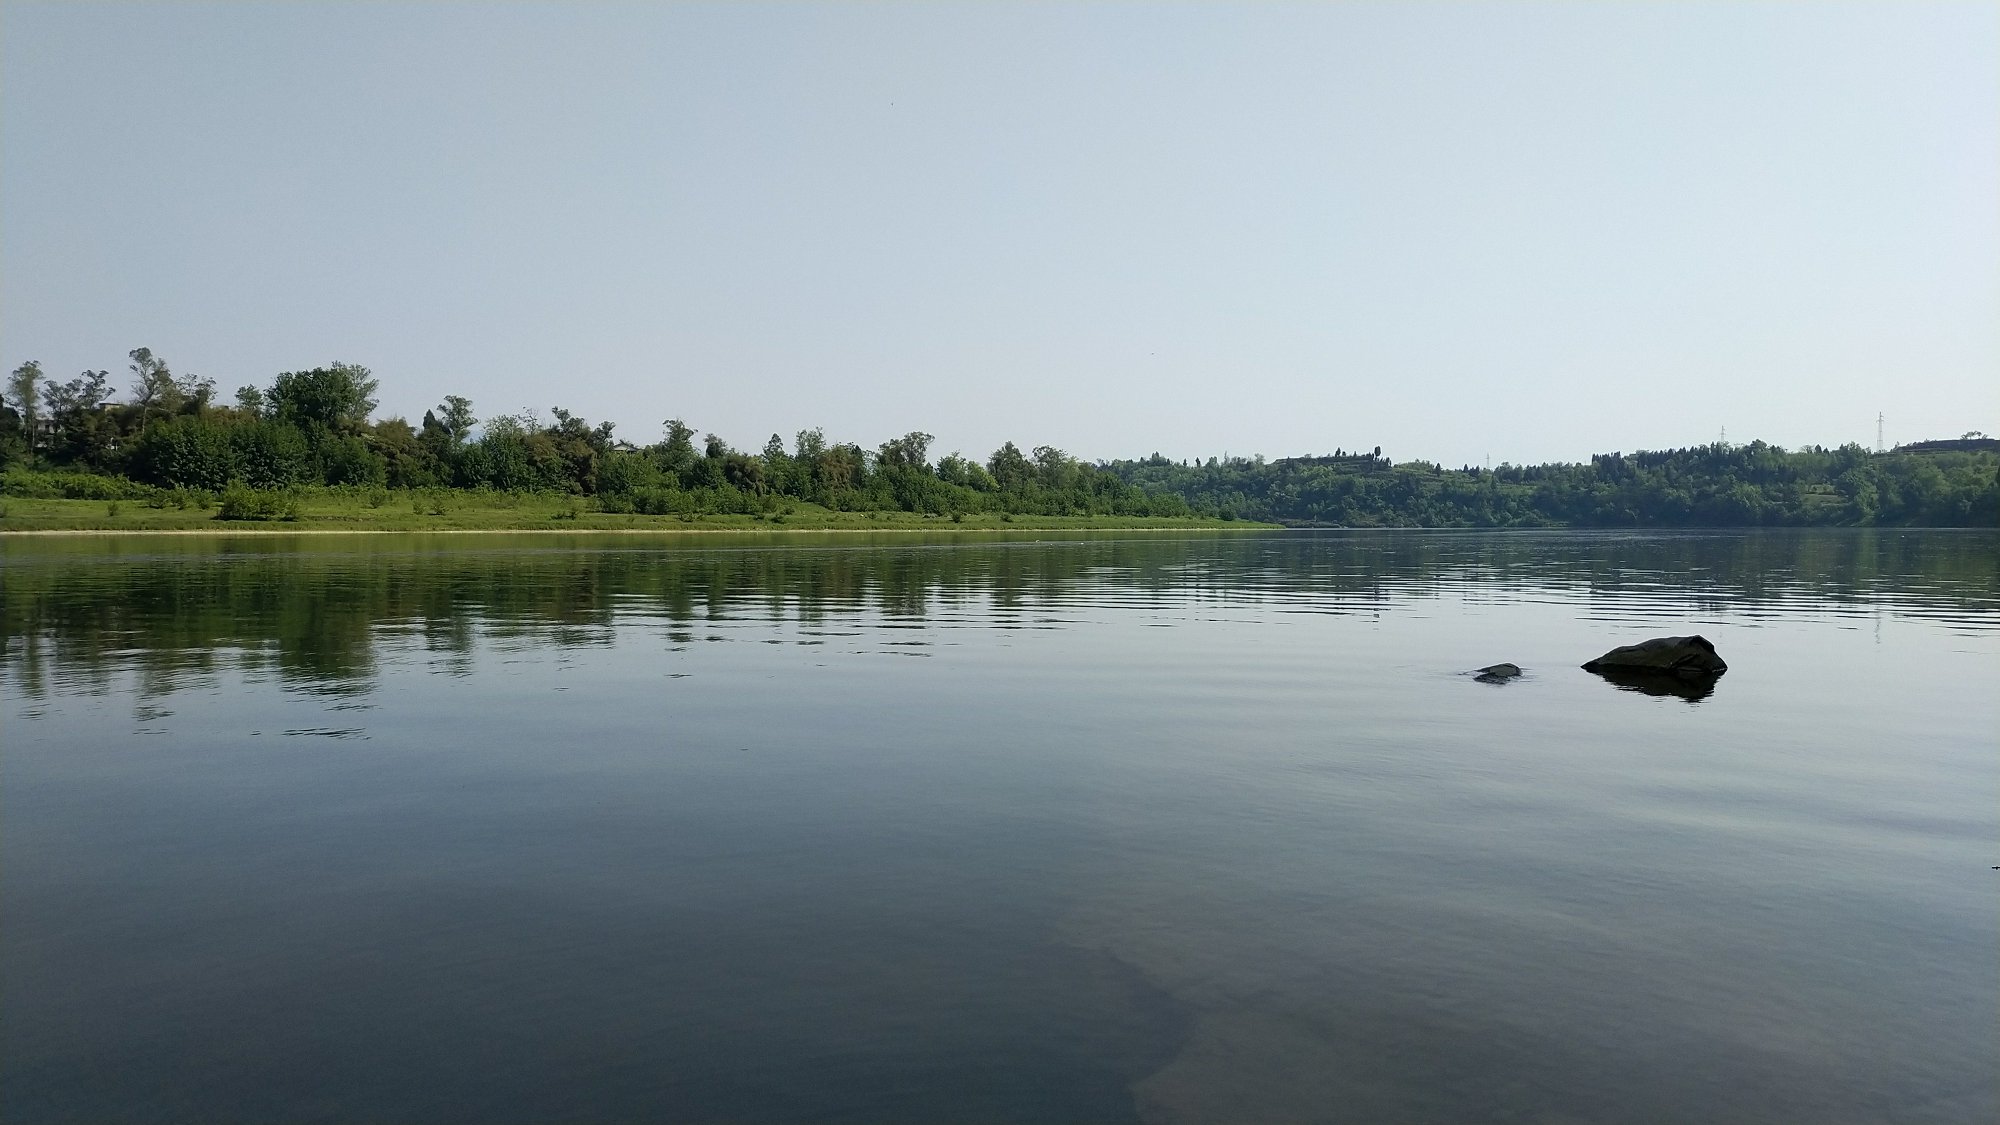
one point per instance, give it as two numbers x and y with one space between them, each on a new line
1684 657
1497 673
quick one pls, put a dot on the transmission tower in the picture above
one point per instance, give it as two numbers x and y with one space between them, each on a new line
1878 432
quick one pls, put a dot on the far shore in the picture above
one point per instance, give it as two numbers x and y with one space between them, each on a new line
327 512
748 529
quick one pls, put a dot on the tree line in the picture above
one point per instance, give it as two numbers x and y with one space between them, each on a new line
317 427
1715 485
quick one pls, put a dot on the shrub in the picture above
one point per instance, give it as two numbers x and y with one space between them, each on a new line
184 498
71 486
240 503
432 502
657 501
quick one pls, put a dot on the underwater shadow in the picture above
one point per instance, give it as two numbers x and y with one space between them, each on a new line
1694 689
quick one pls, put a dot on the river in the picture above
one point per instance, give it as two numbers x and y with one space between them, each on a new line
1168 828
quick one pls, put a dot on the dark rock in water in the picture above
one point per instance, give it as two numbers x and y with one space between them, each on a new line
1684 657
1497 673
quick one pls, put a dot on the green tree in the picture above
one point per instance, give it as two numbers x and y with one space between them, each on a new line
455 415
744 472
964 472
779 476
809 469
154 389
911 451
24 394
676 453
186 451
334 399
1057 471
13 442
581 446
809 445
1009 467
85 432
407 461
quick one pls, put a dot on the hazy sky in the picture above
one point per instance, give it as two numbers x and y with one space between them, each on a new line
1530 231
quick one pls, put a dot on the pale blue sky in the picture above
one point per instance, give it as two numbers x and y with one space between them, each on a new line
1531 231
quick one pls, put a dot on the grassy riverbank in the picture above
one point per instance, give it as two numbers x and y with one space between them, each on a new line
457 510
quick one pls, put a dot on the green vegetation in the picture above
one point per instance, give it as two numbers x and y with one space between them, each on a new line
306 451
348 508
1935 484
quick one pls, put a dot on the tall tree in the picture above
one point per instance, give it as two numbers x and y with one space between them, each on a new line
779 473
455 415
154 390
24 394
810 444
677 451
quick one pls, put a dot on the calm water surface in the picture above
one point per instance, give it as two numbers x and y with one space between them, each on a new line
1171 829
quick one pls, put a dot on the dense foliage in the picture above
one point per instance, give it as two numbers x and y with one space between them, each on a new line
1949 484
317 427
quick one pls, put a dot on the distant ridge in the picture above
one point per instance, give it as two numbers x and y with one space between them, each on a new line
1951 445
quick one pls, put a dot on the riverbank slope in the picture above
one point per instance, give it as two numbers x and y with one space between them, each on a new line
473 511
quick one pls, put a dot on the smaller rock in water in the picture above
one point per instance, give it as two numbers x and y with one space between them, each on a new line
1687 657
1498 673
